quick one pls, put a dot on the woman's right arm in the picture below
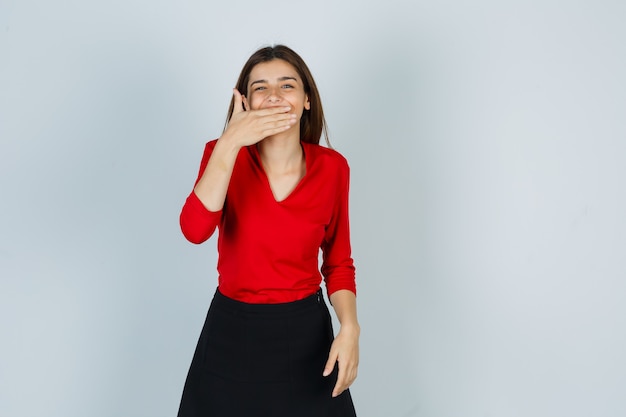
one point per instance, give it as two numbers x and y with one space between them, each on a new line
244 128
196 222
213 183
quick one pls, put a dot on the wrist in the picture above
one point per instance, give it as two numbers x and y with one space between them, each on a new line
226 144
350 327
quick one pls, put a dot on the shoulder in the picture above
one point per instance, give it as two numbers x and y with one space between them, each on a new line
329 158
208 150
210 145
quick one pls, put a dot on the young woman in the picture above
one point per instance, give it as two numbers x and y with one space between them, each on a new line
277 197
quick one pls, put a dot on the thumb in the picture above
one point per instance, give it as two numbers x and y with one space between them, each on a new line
237 101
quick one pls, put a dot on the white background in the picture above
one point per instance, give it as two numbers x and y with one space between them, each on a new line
487 142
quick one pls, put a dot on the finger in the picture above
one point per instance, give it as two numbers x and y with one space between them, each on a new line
271 132
277 120
246 107
330 363
341 382
347 375
271 125
237 101
273 110
278 128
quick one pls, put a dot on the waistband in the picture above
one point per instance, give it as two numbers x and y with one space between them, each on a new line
236 306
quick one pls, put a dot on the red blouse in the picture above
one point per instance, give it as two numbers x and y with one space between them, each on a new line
268 250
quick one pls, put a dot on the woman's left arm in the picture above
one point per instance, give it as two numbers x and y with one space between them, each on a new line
345 348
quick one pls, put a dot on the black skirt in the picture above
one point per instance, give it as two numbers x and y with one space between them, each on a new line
264 360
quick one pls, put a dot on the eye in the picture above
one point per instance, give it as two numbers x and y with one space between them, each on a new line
286 86
259 88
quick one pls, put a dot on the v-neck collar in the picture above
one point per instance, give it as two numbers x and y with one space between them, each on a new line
259 163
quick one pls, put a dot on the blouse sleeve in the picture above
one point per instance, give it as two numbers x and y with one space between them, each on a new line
337 266
196 221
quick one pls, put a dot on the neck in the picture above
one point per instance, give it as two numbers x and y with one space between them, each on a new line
280 154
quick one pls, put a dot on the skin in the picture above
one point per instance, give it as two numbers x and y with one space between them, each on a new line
345 348
270 119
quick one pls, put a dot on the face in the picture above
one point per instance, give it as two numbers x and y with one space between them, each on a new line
276 83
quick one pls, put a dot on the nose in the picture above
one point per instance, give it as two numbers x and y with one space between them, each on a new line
273 95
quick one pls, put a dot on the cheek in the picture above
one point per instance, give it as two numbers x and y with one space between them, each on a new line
255 101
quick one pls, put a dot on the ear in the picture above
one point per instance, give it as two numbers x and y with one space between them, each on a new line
245 103
307 103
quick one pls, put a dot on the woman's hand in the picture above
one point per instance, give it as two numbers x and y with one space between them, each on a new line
345 348
247 127
345 352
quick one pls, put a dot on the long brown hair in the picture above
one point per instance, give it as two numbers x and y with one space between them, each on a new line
312 123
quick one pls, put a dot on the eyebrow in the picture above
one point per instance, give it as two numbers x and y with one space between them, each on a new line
285 78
